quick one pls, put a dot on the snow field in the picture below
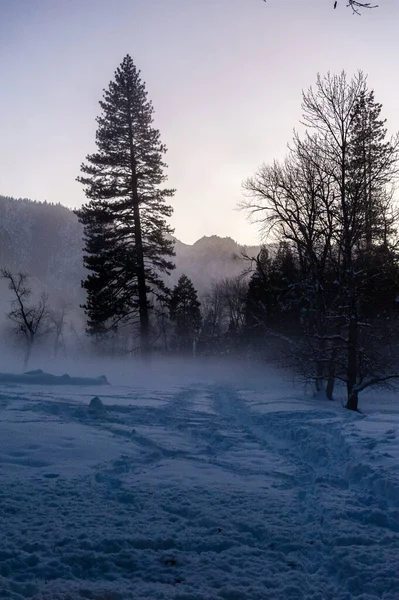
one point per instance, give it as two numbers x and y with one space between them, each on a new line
208 490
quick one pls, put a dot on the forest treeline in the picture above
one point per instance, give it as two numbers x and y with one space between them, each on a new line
44 241
323 291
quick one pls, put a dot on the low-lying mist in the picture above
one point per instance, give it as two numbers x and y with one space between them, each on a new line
153 372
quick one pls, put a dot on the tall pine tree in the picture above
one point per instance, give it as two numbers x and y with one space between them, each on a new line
127 243
370 155
185 313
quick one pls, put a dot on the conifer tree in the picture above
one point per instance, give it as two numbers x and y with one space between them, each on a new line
185 313
258 300
127 241
269 295
370 155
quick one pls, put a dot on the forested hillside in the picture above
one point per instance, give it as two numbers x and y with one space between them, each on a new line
45 240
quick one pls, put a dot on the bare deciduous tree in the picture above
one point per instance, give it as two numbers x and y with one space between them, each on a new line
294 201
330 109
233 293
57 320
316 201
29 320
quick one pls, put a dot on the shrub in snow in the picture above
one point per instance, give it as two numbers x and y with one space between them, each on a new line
96 408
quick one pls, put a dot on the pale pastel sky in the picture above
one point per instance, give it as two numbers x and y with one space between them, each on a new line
225 78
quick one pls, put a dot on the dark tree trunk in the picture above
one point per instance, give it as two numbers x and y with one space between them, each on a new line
28 352
141 276
142 286
330 387
353 397
352 363
331 374
319 362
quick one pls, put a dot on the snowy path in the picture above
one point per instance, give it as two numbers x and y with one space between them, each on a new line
203 492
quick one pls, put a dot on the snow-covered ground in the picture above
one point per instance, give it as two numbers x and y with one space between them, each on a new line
196 487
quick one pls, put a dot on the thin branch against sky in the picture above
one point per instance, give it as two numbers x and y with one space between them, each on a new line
355 5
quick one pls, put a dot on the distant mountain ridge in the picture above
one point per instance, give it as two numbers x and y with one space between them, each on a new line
45 240
211 258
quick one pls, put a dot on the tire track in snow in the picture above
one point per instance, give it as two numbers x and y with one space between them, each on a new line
348 509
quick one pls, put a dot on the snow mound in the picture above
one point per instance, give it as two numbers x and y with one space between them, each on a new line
96 408
39 377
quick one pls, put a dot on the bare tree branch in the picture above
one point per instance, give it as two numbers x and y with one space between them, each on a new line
29 320
356 5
